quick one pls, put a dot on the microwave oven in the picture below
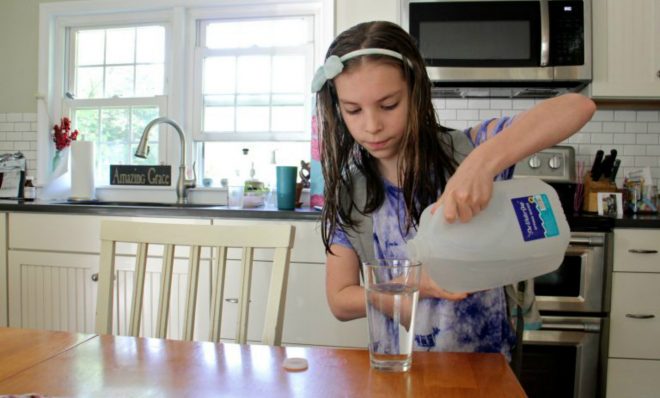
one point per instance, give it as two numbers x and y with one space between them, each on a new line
529 47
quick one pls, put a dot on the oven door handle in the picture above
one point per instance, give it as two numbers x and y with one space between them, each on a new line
587 241
581 327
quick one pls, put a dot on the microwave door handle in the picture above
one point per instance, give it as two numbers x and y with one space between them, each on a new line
545 33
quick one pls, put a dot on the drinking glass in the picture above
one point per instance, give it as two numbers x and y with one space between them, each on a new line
392 291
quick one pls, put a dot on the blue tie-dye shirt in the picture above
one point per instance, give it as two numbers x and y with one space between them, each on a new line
478 323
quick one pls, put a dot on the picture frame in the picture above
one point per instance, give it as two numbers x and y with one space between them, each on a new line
610 204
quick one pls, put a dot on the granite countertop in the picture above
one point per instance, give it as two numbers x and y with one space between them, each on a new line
46 206
584 222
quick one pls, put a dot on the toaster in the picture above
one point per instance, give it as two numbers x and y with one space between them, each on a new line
12 175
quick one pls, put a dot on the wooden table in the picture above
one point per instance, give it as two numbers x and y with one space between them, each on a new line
126 366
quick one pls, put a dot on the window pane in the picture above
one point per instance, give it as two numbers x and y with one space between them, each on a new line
261 153
87 123
140 117
220 100
150 45
291 99
289 74
149 80
288 118
218 119
219 75
256 33
90 45
89 82
120 46
253 74
119 81
114 125
252 118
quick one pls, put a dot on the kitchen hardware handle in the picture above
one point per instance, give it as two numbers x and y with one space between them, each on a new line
545 33
95 277
583 327
657 73
643 251
640 316
590 241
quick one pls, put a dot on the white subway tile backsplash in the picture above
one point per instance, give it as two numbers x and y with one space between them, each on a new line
602 138
635 127
647 139
634 134
625 116
613 127
648 116
603 116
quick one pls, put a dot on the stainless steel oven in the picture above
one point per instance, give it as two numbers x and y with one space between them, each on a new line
563 358
568 355
578 284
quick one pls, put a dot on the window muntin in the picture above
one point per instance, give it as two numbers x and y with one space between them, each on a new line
118 62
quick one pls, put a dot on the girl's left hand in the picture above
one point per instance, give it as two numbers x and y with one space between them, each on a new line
467 192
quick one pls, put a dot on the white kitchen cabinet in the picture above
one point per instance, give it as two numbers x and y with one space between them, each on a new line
626 49
307 318
634 346
52 259
350 12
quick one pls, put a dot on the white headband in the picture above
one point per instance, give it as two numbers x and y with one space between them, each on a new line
334 64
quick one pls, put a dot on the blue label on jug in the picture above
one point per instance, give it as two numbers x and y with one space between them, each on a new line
535 217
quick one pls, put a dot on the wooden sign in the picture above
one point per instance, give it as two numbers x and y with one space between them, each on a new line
140 175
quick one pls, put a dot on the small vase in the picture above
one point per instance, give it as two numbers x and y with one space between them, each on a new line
56 160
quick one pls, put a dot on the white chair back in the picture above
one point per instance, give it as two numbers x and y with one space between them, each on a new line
278 237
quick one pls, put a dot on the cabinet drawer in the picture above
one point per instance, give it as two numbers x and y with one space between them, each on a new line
635 316
632 378
637 250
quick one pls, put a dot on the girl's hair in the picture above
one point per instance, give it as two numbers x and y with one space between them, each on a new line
424 163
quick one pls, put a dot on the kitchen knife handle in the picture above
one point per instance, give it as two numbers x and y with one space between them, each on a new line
615 169
595 168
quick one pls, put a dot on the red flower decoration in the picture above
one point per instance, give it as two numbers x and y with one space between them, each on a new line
62 135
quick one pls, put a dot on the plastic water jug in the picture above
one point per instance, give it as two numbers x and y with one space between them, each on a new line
521 234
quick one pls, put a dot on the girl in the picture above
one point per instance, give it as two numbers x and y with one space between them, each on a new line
386 158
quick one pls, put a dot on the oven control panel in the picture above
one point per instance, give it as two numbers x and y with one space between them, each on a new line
556 163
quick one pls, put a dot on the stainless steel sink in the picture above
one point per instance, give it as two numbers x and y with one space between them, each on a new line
121 203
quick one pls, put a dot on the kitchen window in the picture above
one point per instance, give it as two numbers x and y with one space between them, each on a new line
115 87
233 75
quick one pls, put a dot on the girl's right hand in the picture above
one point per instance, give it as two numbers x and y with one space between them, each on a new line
429 289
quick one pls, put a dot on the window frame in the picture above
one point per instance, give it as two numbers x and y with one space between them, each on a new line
55 18
198 98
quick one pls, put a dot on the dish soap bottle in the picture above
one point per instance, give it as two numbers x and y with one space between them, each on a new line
521 234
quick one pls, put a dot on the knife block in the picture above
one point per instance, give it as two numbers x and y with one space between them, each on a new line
591 190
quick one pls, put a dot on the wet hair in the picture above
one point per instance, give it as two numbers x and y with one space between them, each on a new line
424 164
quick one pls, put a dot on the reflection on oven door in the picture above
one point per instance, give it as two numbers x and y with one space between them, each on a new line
561 363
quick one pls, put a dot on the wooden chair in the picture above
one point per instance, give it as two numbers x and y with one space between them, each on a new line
278 237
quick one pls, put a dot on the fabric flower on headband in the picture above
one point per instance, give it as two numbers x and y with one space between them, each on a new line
331 68
334 64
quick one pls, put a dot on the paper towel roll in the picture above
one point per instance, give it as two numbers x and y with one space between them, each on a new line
82 170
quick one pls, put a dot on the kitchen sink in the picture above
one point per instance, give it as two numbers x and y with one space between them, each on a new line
122 203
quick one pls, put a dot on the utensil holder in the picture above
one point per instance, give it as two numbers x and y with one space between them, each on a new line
591 190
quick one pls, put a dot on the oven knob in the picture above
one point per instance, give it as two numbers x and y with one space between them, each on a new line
534 162
555 162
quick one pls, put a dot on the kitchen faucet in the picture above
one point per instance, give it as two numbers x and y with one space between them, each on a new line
143 150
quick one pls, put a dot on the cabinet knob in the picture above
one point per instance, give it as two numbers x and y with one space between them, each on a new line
657 73
640 316
95 277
